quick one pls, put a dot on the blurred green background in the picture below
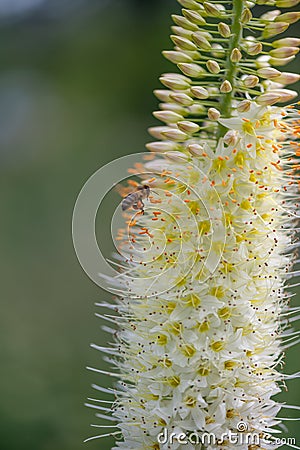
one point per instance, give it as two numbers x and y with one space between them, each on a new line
76 81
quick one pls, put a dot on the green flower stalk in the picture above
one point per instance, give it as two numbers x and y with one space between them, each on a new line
204 319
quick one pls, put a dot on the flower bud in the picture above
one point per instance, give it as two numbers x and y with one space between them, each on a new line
289 17
281 61
183 43
286 95
191 4
162 94
212 9
286 42
161 147
199 92
197 109
286 3
274 28
217 51
157 132
184 23
244 106
195 149
213 114
231 137
226 87
246 15
194 17
176 156
181 98
287 78
224 29
213 66
270 15
235 55
284 52
182 32
251 81
188 127
179 109
174 83
167 116
254 48
177 57
201 41
192 70
268 72
270 98
175 135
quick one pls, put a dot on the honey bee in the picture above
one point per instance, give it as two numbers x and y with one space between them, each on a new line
135 199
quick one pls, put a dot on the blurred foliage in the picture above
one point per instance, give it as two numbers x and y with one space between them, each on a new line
75 92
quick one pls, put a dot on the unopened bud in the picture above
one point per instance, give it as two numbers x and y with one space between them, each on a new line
251 81
188 127
175 135
235 55
191 4
162 94
286 95
270 15
286 3
244 106
213 66
194 17
176 156
177 57
161 147
199 92
231 137
174 83
192 70
197 109
213 114
180 31
183 43
286 42
175 107
184 22
167 116
195 149
287 78
157 132
281 61
289 17
201 41
254 48
226 87
246 15
284 52
224 29
212 10
181 98
274 28
268 72
217 51
269 98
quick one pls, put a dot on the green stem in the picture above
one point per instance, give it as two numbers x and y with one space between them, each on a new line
231 67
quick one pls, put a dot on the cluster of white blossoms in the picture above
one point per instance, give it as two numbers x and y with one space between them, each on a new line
204 317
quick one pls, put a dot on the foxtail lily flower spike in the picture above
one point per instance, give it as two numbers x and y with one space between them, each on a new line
204 323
